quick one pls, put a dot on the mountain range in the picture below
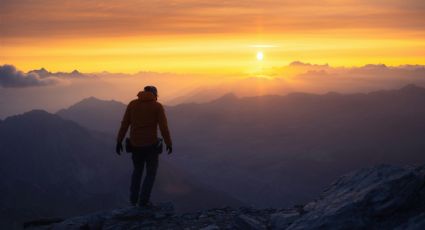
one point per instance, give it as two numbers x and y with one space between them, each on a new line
55 167
281 150
268 151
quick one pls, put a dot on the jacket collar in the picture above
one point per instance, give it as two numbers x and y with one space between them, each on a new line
146 96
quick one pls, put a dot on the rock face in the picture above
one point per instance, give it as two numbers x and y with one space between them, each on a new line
376 198
382 197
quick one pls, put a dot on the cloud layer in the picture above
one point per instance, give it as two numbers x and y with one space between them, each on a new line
325 78
204 36
182 88
10 77
130 17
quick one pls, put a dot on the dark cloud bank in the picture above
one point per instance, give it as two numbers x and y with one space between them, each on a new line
317 75
10 77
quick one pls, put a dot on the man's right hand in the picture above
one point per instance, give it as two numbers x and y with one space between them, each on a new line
118 148
169 149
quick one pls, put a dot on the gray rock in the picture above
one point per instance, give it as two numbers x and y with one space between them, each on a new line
160 215
367 199
282 220
309 207
203 216
211 227
124 218
246 222
92 221
414 223
41 223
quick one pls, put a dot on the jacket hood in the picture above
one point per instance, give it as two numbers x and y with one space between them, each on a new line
146 96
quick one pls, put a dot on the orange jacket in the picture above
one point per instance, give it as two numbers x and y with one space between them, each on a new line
143 115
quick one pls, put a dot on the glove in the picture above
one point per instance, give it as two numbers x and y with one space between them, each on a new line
118 148
169 149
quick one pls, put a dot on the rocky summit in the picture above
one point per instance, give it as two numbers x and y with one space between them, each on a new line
381 197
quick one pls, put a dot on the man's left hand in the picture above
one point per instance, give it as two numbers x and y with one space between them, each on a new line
118 148
169 149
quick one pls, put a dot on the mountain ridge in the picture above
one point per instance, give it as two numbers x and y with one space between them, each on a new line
50 165
379 197
327 134
232 96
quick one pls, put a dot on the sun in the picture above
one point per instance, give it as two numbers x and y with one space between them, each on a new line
260 56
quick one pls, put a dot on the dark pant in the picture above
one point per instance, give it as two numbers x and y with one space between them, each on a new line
142 157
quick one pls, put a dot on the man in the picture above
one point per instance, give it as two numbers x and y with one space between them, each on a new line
143 116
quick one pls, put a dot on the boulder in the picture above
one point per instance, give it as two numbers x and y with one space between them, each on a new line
211 227
123 218
246 222
414 223
372 198
282 220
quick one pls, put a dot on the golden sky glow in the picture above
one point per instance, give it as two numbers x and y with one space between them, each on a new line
214 37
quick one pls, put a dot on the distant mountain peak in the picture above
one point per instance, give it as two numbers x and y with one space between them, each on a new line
90 99
375 66
229 96
92 104
36 113
226 97
302 64
95 114
410 87
36 116
75 72
297 63
333 93
41 72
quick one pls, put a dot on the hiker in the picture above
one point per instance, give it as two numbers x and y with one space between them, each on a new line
144 115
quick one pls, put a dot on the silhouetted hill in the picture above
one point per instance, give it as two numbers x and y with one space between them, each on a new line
281 150
291 146
103 119
380 197
54 167
45 73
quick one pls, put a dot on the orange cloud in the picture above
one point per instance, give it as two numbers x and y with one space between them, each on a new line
46 18
188 36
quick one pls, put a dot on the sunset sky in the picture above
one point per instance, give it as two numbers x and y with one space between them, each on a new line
213 37
199 50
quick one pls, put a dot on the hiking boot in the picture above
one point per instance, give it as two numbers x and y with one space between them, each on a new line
147 204
133 203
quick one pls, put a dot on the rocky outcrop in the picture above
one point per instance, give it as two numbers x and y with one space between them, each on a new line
382 197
